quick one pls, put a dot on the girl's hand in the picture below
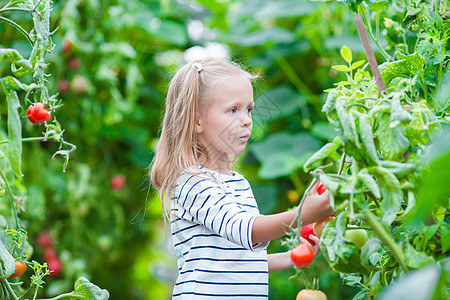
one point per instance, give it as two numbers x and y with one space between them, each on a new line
316 207
316 247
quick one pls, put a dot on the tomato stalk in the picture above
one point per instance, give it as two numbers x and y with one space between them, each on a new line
386 238
9 288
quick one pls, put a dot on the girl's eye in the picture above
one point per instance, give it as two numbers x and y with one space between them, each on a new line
233 110
249 110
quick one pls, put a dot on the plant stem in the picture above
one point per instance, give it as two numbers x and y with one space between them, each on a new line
296 181
9 288
11 196
386 238
341 165
299 221
58 297
18 27
14 9
26 139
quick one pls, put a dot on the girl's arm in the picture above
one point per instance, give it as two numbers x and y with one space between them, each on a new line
270 227
279 261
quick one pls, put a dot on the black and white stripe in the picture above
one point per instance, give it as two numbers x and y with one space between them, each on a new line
211 223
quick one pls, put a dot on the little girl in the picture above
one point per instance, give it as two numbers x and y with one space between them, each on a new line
218 233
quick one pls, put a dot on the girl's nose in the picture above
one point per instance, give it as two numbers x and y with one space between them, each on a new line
246 120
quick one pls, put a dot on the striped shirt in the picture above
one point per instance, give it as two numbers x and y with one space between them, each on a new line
211 224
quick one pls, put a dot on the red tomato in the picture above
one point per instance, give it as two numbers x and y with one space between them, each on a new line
302 255
67 46
37 113
44 240
21 267
74 63
63 86
50 254
30 116
117 182
306 231
321 188
311 295
55 266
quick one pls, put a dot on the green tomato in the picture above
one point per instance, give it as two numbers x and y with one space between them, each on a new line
356 236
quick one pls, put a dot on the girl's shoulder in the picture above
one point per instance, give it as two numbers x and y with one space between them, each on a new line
195 174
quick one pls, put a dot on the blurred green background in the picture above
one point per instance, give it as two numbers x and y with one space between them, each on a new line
111 65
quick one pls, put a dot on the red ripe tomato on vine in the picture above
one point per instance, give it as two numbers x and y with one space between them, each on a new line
38 113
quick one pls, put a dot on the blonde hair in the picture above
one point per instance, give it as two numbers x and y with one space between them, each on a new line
190 92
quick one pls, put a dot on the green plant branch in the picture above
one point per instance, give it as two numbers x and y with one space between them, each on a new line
26 139
386 238
342 163
11 196
58 297
18 27
14 9
9 288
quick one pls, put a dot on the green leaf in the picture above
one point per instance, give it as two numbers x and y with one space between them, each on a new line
276 103
346 54
397 111
378 6
85 290
393 142
445 233
25 67
347 122
323 153
13 84
399 169
341 68
416 259
323 130
331 101
366 133
282 153
443 93
407 67
357 64
284 9
370 183
416 284
261 37
371 253
433 192
7 265
341 255
14 131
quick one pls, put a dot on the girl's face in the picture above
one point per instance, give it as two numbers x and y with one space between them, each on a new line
226 124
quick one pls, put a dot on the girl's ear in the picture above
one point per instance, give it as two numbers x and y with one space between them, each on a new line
198 125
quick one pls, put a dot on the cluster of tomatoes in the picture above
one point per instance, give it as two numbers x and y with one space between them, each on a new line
54 264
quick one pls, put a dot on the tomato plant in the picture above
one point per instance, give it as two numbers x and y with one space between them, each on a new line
387 122
306 294
302 255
